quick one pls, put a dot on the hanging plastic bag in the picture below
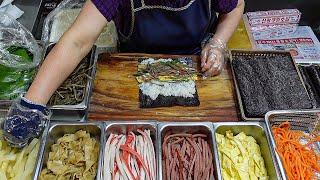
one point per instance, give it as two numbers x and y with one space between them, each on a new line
13 34
61 18
19 56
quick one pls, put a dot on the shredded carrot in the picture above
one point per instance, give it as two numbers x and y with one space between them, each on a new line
300 161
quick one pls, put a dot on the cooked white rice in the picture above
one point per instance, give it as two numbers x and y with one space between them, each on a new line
151 60
178 89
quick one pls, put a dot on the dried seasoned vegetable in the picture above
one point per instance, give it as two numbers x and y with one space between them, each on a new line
73 89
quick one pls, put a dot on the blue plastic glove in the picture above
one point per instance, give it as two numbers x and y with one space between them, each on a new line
25 120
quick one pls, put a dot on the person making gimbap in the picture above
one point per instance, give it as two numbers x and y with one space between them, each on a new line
144 26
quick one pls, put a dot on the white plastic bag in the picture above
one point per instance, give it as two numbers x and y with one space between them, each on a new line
60 19
12 33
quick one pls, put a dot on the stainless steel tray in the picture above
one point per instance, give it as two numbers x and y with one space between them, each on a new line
58 129
5 104
303 120
190 127
259 132
75 112
125 127
259 53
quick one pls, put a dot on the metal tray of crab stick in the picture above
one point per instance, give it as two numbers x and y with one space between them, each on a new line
130 150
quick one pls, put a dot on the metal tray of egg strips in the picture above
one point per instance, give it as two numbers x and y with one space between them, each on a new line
256 53
303 120
259 132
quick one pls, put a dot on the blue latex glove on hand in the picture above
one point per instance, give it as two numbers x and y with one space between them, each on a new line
25 120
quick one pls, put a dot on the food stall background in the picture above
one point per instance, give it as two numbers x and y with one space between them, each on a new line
309 8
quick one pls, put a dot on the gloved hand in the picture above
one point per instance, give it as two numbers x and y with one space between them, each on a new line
212 57
25 120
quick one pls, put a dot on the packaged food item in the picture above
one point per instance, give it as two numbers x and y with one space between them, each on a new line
14 81
274 17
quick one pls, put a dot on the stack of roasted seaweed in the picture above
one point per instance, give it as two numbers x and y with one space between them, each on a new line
268 82
311 77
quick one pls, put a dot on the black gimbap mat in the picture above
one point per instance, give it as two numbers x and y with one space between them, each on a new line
268 81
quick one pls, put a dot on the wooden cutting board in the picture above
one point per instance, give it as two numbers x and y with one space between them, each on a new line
116 94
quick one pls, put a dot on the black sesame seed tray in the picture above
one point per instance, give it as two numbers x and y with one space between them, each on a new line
266 81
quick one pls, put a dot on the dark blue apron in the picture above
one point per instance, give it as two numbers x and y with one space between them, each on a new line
166 30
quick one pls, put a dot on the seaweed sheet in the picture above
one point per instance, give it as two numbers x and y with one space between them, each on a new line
269 83
167 101
311 76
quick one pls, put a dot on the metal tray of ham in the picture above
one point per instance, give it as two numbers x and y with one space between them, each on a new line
125 127
204 128
56 130
259 132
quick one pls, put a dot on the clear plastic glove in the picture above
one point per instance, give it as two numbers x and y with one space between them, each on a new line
25 120
212 57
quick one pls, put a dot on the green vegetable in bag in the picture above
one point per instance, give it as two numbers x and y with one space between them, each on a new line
14 81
